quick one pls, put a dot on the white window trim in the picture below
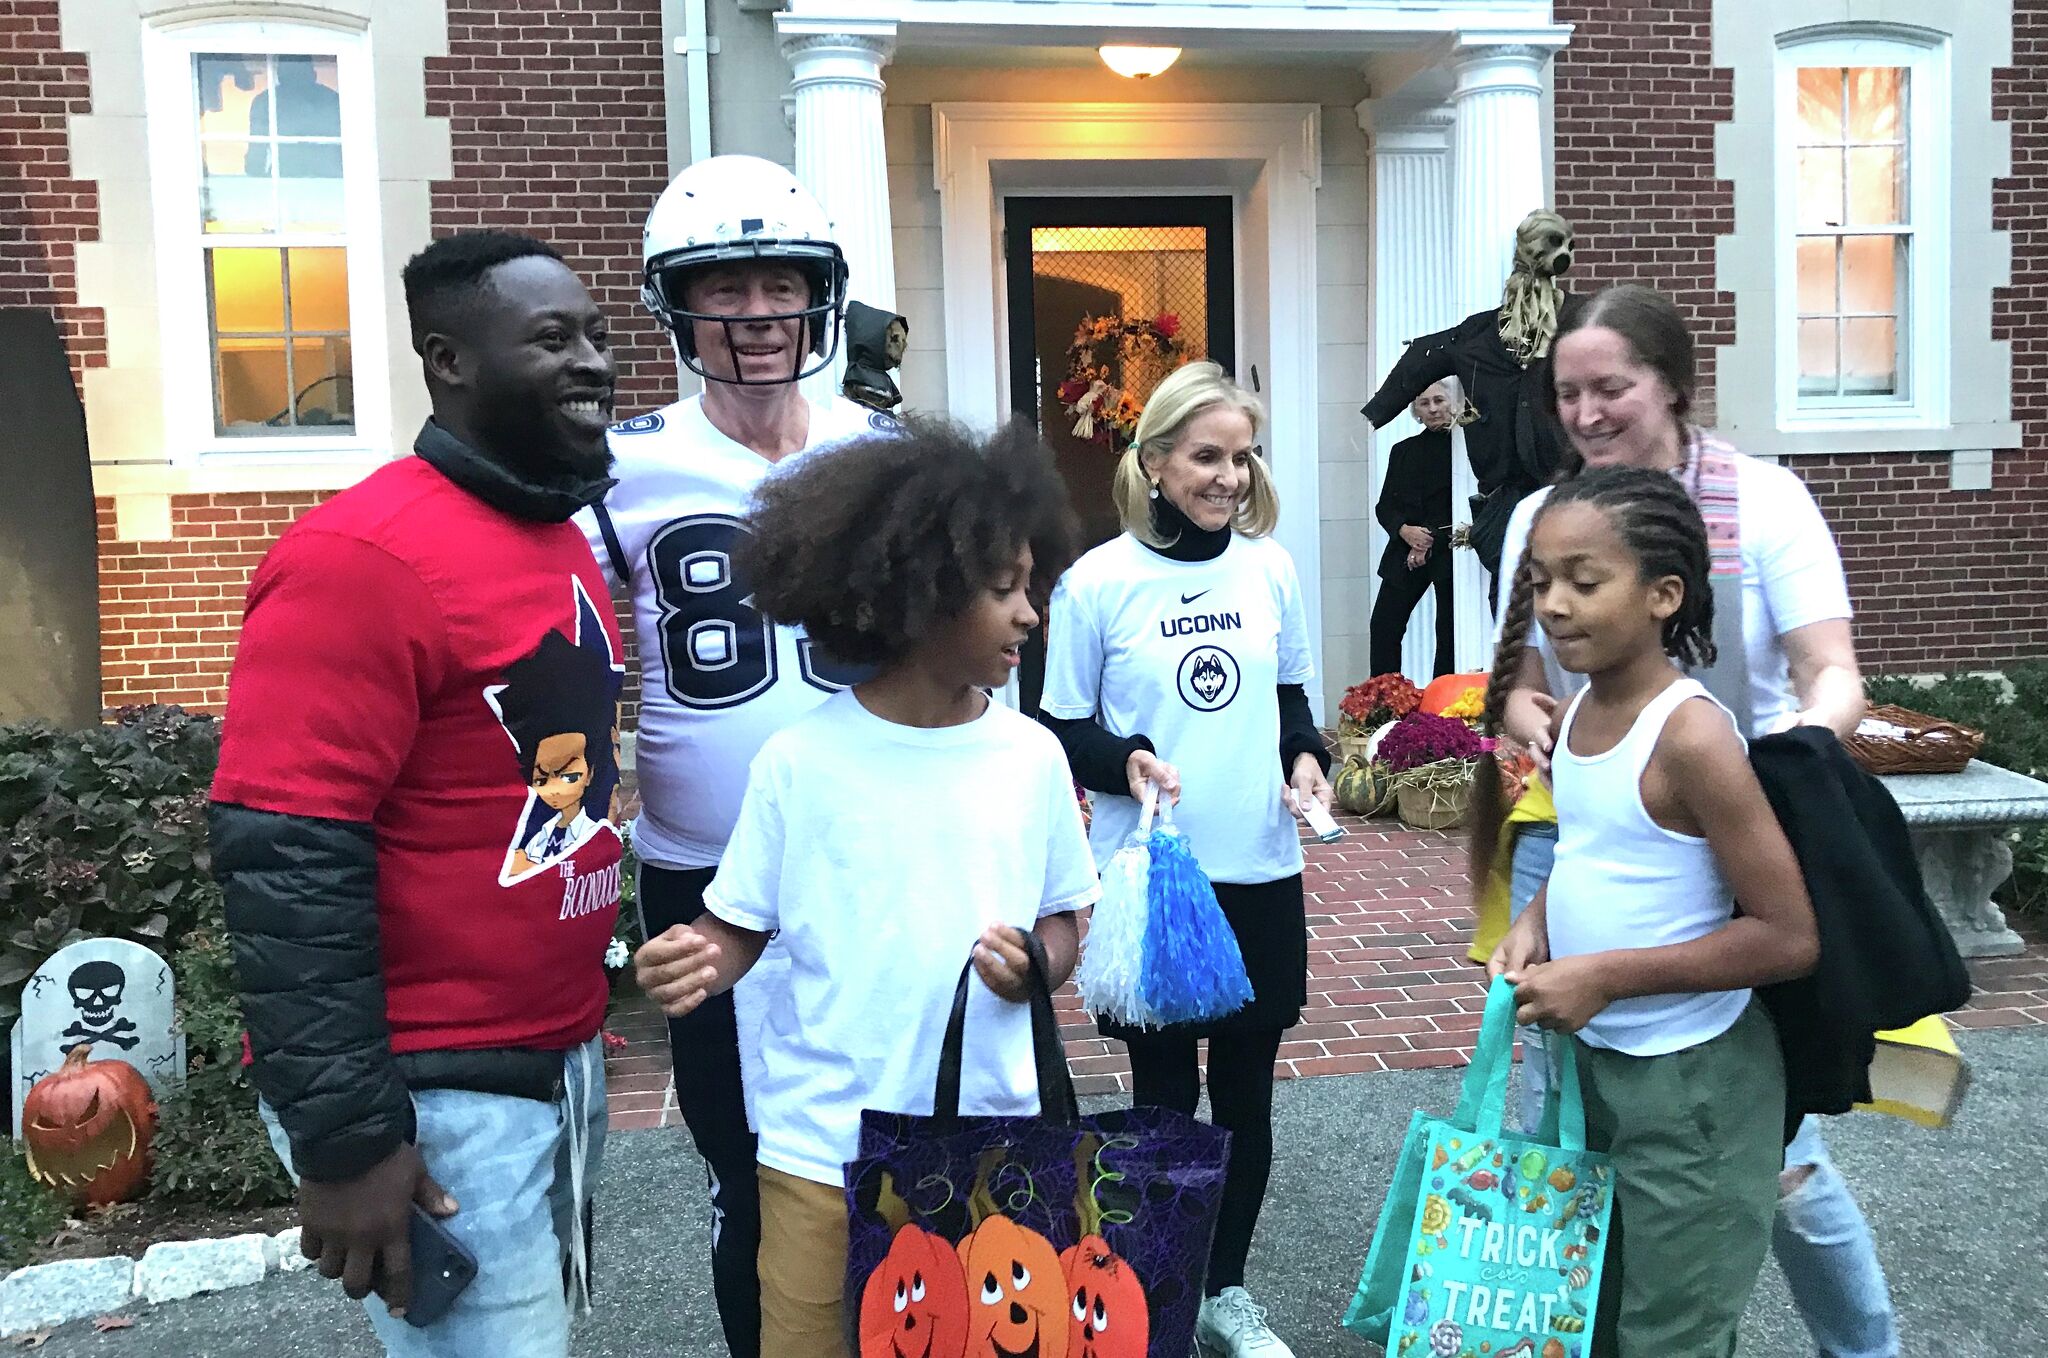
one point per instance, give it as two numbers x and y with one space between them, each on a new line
1927 350
190 437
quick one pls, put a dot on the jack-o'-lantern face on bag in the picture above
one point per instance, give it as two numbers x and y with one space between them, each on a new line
915 1304
1016 1293
1106 1303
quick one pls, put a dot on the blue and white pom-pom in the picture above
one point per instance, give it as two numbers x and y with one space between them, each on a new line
1110 977
1193 969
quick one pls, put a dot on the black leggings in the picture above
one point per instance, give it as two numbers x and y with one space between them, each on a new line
704 1046
1163 1075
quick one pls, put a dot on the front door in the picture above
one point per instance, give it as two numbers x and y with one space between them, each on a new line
1106 296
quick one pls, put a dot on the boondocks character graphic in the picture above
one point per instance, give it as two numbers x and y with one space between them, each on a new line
560 707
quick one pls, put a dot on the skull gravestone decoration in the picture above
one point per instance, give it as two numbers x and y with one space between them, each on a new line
109 992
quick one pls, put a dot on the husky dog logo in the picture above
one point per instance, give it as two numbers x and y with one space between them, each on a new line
1208 678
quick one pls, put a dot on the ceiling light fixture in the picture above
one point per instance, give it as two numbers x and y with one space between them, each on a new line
1137 63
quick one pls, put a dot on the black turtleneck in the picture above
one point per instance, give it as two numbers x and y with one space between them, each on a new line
546 498
1098 757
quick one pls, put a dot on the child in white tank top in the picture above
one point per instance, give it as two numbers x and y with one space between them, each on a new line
1636 944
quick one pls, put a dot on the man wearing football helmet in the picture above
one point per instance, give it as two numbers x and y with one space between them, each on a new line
742 271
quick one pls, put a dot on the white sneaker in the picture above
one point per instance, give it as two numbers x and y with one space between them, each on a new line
1232 1325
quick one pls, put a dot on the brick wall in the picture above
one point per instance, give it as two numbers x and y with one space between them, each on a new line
1940 579
44 213
1637 97
559 129
170 610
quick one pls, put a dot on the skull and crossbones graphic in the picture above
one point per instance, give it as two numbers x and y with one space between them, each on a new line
96 992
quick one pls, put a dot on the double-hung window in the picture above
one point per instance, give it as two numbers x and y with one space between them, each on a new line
1862 261
264 179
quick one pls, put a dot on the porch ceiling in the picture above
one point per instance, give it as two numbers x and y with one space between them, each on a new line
1222 30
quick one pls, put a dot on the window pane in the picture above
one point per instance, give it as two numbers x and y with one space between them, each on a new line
1817 358
319 280
1820 187
1877 103
235 192
1816 265
326 395
248 290
1870 357
1820 103
310 204
253 385
1873 272
307 98
1877 188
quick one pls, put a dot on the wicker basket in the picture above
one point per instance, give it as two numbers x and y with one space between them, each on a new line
1442 806
1930 744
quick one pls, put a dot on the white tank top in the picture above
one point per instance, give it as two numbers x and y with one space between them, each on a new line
1623 881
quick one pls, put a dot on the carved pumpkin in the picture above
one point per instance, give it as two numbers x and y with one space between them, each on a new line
1017 1300
915 1302
87 1127
1106 1303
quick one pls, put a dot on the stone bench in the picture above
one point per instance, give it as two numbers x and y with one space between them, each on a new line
1959 823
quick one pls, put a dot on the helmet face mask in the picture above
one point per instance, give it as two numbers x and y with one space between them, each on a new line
737 210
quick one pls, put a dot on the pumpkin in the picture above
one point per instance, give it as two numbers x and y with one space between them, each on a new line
87 1127
1017 1298
1447 689
1106 1303
1363 789
915 1302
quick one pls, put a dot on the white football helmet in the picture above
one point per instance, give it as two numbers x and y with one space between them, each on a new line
731 208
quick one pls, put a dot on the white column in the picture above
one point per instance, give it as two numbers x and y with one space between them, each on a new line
1411 290
837 94
1496 180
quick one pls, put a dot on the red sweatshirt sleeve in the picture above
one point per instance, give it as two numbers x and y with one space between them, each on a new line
341 647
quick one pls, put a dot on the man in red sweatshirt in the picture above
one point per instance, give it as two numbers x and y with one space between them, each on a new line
412 818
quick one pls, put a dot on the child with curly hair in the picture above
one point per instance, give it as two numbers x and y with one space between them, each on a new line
902 826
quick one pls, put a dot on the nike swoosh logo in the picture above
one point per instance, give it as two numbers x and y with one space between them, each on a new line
1190 598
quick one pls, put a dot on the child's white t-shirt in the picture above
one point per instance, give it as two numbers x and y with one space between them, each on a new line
1791 577
1190 654
880 852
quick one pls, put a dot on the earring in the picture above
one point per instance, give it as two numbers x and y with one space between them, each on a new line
1155 490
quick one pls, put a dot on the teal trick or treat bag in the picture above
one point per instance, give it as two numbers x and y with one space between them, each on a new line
1491 1242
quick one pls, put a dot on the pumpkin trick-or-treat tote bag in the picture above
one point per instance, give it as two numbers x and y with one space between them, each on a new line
1491 1242
975 1237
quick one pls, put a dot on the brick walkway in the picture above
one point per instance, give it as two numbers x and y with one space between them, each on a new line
1389 986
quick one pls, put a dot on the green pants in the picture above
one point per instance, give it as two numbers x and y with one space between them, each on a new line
1697 1139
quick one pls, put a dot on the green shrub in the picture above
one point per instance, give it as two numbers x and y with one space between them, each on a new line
2014 719
29 1212
211 1147
102 834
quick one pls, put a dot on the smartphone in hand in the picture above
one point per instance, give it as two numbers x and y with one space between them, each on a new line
442 1267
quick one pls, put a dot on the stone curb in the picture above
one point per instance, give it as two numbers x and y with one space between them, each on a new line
45 1295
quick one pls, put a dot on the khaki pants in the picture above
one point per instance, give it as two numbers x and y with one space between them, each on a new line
1698 1138
803 1267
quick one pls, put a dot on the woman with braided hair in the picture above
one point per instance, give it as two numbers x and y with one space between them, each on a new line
1621 386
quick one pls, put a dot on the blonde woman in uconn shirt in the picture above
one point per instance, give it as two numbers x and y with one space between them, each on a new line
1177 654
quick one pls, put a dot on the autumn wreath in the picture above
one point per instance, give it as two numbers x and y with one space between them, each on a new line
1103 412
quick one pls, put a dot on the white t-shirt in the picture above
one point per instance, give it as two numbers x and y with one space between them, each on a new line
881 852
715 679
1791 577
1190 654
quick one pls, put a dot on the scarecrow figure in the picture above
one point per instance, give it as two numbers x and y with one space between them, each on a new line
875 340
1512 442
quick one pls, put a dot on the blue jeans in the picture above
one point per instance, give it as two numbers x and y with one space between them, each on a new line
1824 1248
1535 848
1821 1240
521 1172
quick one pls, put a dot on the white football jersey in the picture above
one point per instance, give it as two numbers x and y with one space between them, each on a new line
716 678
1190 654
